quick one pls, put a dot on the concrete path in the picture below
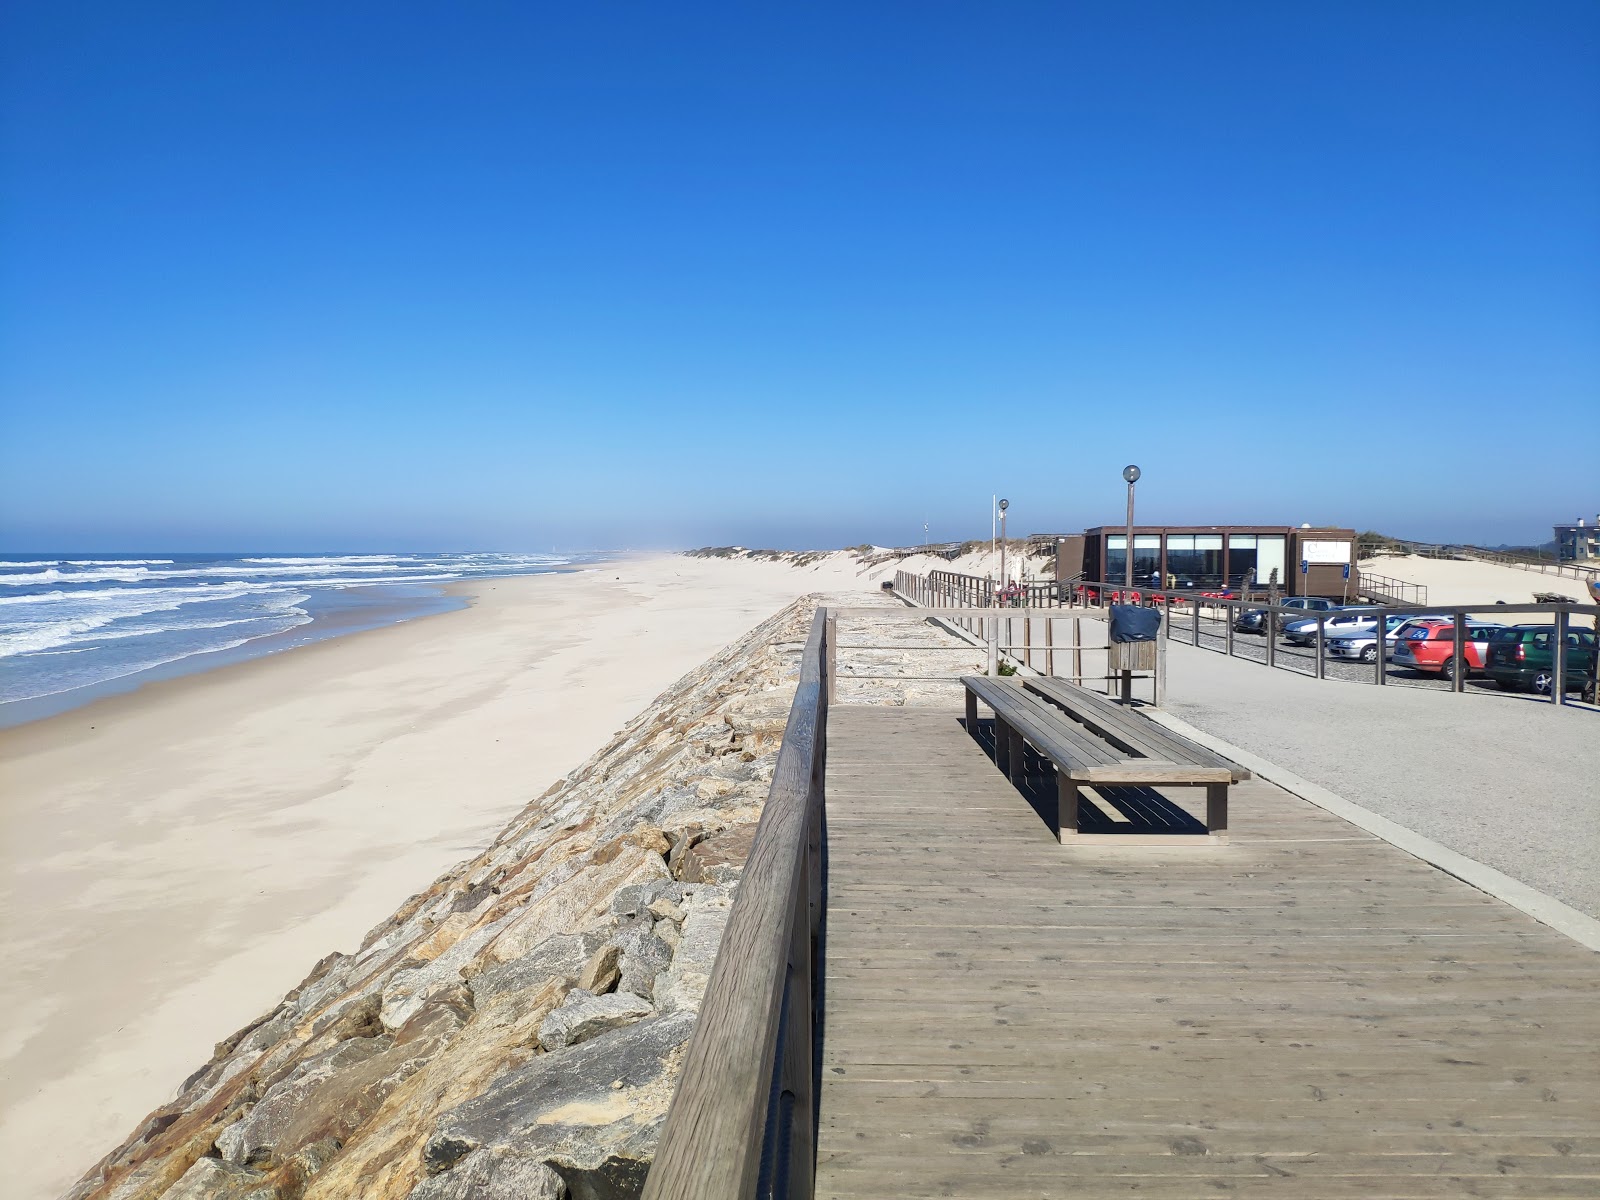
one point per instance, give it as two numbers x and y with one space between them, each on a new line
1508 780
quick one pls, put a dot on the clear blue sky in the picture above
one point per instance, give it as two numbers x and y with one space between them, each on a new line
406 275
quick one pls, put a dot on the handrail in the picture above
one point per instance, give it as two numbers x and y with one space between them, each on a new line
742 1123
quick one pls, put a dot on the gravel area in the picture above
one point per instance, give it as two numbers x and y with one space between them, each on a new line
1509 780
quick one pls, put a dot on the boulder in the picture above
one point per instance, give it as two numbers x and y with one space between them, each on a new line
583 1015
592 1112
213 1179
681 986
333 1094
644 956
720 858
498 1174
600 973
563 955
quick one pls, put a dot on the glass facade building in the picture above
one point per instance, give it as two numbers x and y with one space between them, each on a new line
1221 557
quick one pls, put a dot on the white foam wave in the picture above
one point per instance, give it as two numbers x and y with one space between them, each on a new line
117 562
334 558
53 575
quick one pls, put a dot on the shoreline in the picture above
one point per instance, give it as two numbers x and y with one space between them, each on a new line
177 857
339 614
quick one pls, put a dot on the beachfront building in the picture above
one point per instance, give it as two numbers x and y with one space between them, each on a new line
1308 561
1578 543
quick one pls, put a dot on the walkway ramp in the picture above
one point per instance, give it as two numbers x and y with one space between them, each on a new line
1305 1012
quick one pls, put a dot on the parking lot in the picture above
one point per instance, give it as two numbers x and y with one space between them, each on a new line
1302 660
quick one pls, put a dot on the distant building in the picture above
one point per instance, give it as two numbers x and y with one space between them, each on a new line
1578 543
1305 562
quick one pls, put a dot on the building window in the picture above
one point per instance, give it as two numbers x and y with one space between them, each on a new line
1195 560
1147 560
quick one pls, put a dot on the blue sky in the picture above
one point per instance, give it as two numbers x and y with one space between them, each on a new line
410 276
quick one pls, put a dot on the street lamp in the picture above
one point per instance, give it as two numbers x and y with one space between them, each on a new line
1004 504
1131 474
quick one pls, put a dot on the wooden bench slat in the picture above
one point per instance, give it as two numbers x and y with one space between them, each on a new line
1037 724
1163 742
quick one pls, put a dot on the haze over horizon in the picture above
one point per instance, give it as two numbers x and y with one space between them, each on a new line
519 277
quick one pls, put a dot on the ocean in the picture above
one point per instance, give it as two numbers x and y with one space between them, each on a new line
74 627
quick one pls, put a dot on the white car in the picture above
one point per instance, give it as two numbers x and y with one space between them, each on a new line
1304 633
1362 644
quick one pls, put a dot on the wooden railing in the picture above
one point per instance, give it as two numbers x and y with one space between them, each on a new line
1387 590
951 589
743 1120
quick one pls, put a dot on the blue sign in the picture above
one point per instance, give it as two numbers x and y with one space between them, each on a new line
1305 566
1347 570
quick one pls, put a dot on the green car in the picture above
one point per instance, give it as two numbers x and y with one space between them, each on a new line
1520 659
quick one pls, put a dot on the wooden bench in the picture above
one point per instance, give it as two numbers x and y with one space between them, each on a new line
1093 742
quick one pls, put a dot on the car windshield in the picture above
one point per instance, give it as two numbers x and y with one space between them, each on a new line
1508 635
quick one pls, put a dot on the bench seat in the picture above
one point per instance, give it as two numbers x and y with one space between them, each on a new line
1092 742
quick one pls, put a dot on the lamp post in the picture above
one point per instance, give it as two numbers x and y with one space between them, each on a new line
1131 474
1004 504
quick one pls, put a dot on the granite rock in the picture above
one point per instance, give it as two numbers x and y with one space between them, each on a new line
592 1112
583 1015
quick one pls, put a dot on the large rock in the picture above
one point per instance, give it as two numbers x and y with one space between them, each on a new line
720 858
592 1112
682 985
561 956
332 1095
644 957
213 1179
584 1015
498 1174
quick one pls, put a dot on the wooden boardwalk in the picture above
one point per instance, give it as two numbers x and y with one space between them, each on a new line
1305 1012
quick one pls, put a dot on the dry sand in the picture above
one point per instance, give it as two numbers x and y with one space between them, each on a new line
177 858
1453 581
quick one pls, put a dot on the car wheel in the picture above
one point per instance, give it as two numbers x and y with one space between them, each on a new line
1543 681
1447 671
1369 654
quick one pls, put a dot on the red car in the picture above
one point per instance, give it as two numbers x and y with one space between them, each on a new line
1430 646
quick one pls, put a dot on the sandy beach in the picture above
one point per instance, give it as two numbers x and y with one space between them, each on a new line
176 858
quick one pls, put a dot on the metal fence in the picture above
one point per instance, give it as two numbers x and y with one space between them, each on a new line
1215 624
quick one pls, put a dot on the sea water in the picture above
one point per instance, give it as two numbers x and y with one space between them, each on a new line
75 626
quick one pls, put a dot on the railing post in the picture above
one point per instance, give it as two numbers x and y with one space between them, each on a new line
830 636
1227 629
991 632
1381 658
1558 660
1160 685
1459 651
1269 626
1195 606
1322 661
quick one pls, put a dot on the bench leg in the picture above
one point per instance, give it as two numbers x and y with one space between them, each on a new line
1066 807
972 714
1017 758
1002 744
1216 807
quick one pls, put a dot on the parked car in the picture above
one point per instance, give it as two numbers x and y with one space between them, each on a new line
1361 643
1429 646
1520 658
1339 620
1253 620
